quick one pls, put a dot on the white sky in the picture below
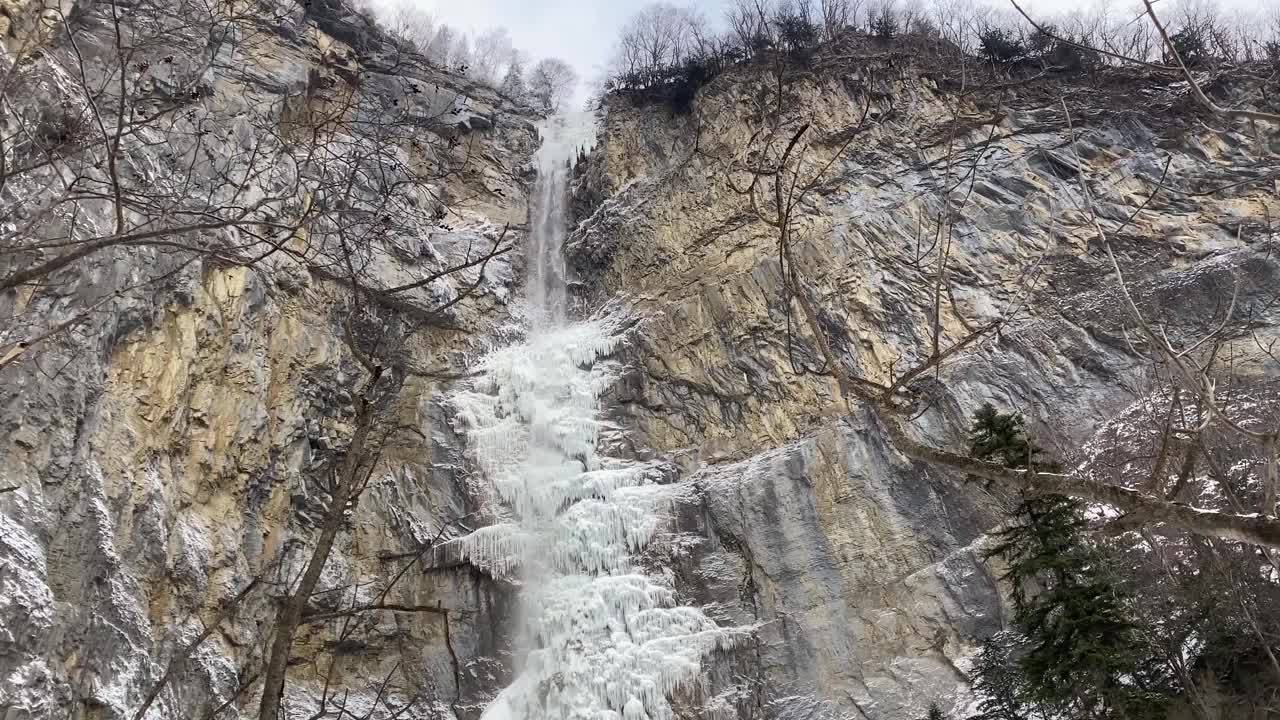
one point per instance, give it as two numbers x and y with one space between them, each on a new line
580 31
583 31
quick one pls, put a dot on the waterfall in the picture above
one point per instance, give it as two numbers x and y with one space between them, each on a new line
600 637
562 136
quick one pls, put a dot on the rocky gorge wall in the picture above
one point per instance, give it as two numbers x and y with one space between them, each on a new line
862 570
173 446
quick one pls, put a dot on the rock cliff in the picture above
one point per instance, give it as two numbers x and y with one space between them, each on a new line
170 417
861 569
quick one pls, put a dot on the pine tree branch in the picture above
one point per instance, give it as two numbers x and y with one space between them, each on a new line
1252 528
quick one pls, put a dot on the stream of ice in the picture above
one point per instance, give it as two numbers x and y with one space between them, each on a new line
601 638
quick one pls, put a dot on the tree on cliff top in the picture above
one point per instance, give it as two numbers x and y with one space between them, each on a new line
658 36
551 84
485 60
513 85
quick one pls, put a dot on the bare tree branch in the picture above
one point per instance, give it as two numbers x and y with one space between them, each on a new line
1195 86
180 660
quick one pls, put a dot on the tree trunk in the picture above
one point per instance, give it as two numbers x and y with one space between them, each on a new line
290 616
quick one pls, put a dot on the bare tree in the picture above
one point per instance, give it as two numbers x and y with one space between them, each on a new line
460 56
778 179
73 191
749 23
838 16
551 83
350 477
414 25
659 35
439 50
492 53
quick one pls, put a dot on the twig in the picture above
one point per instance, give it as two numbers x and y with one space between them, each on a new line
1195 86
1072 43
181 660
393 607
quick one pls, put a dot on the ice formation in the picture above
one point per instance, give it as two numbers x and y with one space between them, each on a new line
603 639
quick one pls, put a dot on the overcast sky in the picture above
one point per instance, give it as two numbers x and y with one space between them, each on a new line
583 31
580 31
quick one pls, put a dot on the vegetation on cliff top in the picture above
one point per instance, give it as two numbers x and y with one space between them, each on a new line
665 53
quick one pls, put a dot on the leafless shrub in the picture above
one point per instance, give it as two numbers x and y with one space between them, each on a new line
552 82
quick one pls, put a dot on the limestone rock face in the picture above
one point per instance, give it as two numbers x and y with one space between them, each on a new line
171 446
861 570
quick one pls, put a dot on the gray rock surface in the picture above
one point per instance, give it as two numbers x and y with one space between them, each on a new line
172 445
863 571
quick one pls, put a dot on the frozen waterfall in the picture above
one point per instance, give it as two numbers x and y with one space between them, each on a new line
601 638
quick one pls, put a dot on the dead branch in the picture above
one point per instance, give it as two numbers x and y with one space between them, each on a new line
1195 86
180 660
1256 528
1049 33
352 468
314 617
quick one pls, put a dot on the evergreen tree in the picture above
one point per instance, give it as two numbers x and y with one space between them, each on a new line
996 678
999 46
1189 43
513 82
935 713
884 26
1002 438
1081 652
1076 652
